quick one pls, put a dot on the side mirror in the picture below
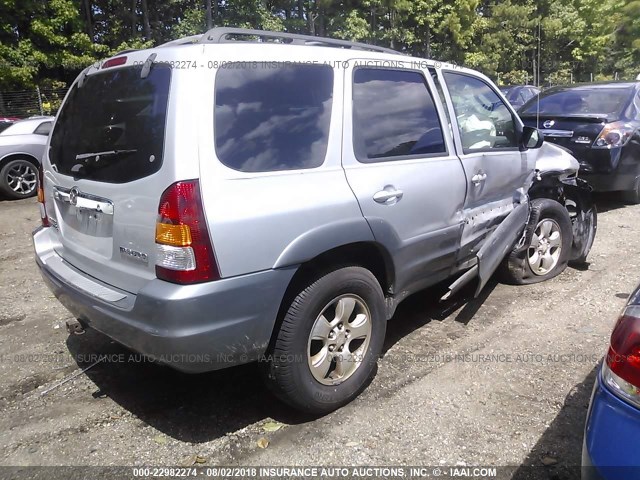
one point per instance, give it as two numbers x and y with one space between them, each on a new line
531 138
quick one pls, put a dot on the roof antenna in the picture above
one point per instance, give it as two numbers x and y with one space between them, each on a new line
538 80
83 76
146 68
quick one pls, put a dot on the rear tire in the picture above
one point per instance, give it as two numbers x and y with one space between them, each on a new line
549 249
18 179
326 350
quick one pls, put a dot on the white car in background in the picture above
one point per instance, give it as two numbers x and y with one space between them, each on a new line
21 149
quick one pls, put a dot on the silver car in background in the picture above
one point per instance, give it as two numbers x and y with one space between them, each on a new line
21 149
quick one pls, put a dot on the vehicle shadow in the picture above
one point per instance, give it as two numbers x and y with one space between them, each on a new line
609 201
558 453
200 408
423 307
190 408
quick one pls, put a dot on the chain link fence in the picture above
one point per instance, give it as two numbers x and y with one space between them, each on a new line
27 103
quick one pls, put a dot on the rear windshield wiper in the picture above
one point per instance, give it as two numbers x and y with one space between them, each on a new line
82 156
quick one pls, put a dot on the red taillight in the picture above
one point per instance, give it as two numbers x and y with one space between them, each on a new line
114 62
184 253
41 202
623 357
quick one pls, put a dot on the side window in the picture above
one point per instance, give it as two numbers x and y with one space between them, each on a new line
529 93
270 119
484 120
43 129
394 116
524 96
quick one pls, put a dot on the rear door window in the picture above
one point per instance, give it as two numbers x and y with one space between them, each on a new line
112 128
272 117
394 116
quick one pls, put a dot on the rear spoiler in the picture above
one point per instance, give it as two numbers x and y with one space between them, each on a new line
589 117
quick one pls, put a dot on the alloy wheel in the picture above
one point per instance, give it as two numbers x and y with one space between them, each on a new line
545 247
22 178
339 339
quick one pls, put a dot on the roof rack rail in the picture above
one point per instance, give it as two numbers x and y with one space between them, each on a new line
222 34
182 41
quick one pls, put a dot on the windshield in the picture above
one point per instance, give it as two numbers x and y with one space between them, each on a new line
112 129
579 101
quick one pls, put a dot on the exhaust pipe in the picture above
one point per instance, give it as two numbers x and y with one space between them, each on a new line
74 327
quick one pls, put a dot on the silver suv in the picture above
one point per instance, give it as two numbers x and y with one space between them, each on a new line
256 196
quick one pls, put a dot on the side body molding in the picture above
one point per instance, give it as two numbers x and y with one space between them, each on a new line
321 239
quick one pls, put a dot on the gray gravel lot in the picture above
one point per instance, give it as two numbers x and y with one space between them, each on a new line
501 380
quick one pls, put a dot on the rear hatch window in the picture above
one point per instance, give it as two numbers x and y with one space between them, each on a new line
112 128
579 101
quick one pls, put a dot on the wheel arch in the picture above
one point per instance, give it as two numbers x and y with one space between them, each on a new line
367 254
19 156
549 186
370 255
577 192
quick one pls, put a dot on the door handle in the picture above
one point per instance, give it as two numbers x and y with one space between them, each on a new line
479 178
388 196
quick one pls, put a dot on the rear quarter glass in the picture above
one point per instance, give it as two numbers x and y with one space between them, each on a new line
270 119
112 129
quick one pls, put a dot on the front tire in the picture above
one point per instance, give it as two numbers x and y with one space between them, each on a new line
18 179
549 247
585 225
326 350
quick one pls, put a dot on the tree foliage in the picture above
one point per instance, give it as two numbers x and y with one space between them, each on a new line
514 41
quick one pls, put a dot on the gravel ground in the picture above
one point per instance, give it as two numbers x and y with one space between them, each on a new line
501 380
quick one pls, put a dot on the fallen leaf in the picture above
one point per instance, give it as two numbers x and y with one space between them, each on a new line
200 459
189 461
160 439
549 461
263 443
272 426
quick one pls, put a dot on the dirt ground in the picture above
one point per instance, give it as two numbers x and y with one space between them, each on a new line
501 380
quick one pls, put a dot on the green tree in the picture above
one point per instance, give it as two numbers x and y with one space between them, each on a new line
42 40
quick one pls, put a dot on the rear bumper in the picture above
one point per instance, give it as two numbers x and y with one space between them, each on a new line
609 170
610 182
611 449
193 328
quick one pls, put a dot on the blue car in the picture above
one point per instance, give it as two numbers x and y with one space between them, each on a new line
611 448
